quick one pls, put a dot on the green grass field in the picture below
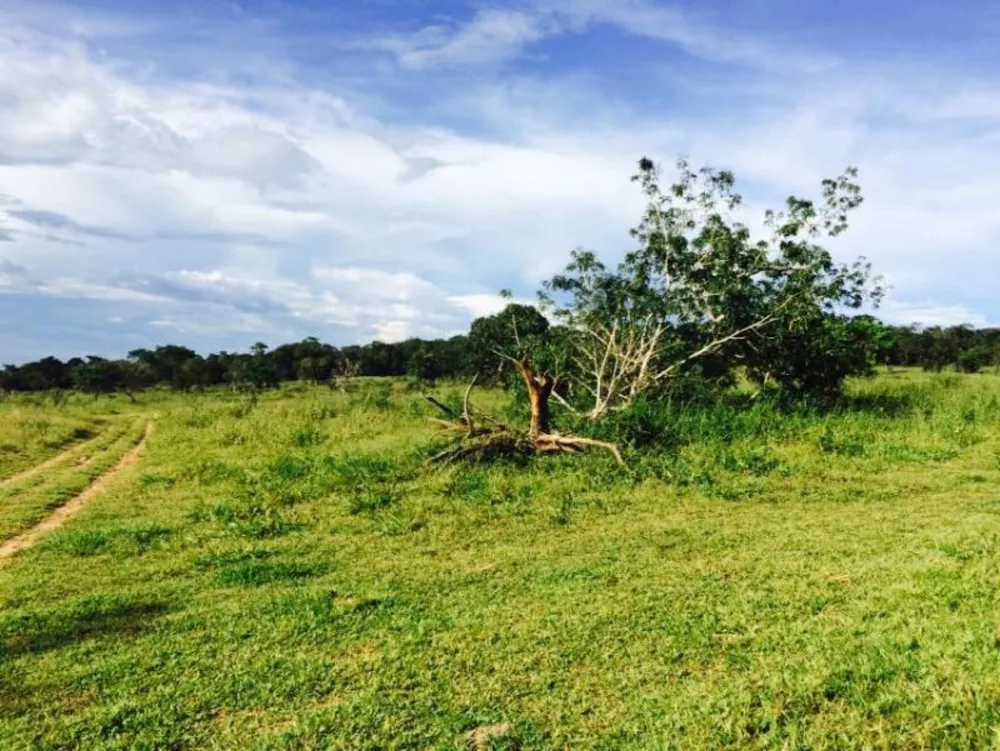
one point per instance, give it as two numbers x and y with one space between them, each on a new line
290 576
30 433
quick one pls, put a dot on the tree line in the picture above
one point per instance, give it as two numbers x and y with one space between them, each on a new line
935 348
427 360
182 369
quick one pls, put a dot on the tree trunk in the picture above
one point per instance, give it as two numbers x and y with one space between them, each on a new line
492 437
539 390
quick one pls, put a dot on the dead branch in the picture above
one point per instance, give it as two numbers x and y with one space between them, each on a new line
447 425
463 423
565 404
466 411
344 379
443 407
714 346
618 361
573 444
492 438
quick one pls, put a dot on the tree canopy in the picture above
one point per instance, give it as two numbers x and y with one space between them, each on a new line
701 295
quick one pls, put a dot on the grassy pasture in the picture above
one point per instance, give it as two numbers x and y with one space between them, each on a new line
25 502
287 575
33 430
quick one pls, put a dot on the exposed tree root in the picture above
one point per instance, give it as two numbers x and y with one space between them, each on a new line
485 437
572 444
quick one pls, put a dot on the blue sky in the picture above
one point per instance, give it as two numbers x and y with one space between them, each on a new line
218 173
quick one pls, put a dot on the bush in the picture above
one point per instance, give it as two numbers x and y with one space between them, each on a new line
975 359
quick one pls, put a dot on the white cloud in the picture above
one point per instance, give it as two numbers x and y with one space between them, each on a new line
645 18
394 331
482 305
493 35
933 315
498 35
252 207
374 304
380 285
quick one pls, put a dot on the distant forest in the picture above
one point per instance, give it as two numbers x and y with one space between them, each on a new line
933 348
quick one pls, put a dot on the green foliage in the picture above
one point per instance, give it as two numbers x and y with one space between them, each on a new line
975 359
424 367
935 348
99 376
551 348
516 331
255 373
700 286
814 356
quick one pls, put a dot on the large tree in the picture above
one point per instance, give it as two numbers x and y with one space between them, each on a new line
700 290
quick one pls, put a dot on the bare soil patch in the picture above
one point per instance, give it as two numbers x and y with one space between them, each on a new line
73 506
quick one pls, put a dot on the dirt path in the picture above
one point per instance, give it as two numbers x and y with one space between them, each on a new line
49 463
62 514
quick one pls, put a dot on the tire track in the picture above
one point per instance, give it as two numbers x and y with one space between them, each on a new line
73 506
53 461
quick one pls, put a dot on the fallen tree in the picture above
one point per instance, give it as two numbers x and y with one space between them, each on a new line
698 299
480 437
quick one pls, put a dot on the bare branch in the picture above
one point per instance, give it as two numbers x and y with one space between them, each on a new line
554 442
466 412
564 403
714 346
496 439
443 407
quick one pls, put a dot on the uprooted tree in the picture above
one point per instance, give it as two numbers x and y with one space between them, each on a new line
512 342
480 436
698 298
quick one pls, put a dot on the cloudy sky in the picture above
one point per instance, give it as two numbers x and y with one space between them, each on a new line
218 172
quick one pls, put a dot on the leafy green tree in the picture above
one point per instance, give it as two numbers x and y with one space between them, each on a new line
47 373
701 291
255 372
94 376
310 369
380 359
102 376
424 367
814 356
518 331
974 359
216 369
167 364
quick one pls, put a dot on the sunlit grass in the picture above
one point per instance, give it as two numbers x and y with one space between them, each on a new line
32 430
24 503
290 575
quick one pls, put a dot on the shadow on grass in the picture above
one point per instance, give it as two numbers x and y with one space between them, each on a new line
89 618
890 405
